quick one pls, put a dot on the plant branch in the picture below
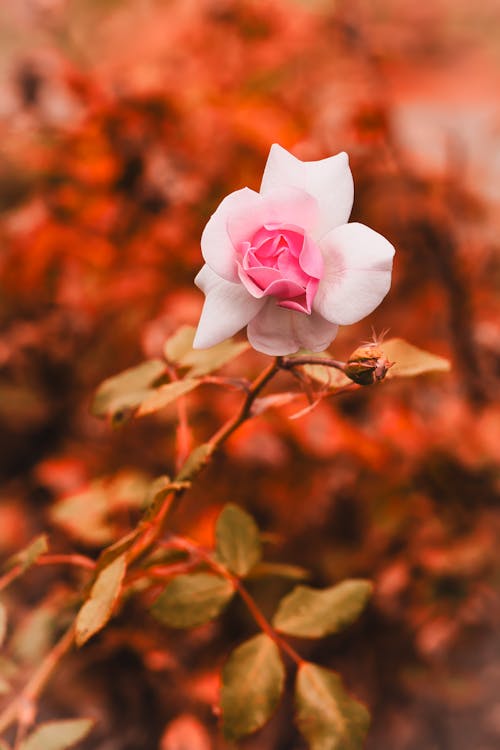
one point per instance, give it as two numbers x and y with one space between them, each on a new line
288 363
37 682
246 408
198 552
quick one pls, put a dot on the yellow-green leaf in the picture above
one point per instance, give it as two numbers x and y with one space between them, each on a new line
164 395
409 360
252 684
192 599
327 716
203 361
180 344
195 462
314 613
29 555
86 514
126 390
238 541
328 377
34 635
58 735
98 608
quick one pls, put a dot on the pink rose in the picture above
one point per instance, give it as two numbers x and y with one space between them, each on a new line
285 263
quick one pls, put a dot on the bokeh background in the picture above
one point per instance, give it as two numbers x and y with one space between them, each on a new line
122 125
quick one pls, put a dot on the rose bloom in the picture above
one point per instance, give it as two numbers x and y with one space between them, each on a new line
285 263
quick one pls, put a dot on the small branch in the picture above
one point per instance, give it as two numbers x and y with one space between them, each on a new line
288 363
183 437
252 607
264 625
37 682
246 408
79 561
10 576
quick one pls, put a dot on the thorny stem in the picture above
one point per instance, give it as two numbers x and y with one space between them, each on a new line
252 607
246 408
25 700
154 527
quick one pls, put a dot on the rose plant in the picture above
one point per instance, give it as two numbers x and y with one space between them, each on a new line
285 263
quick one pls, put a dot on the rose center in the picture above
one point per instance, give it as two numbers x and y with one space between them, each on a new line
282 262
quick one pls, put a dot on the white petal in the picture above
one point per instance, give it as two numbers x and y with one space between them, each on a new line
216 245
328 180
228 308
277 331
357 273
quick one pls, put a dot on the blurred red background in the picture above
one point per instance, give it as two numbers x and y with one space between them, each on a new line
122 125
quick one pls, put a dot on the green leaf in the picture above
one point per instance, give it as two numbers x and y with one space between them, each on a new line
126 390
238 542
34 635
180 344
58 735
252 684
29 555
314 613
98 608
164 395
87 514
328 377
3 622
195 462
409 360
203 361
192 599
326 714
279 570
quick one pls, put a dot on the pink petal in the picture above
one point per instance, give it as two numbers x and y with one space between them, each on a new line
328 180
356 275
228 308
286 205
277 331
216 245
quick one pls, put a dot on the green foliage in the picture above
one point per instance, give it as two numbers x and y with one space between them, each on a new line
313 613
192 599
179 345
29 555
86 514
127 390
164 395
326 715
179 350
58 735
238 542
328 377
34 635
104 594
252 684
410 361
195 461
